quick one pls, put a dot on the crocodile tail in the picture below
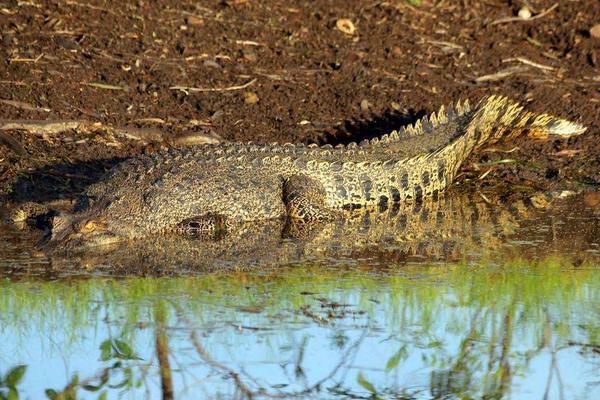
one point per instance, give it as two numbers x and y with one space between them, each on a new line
497 117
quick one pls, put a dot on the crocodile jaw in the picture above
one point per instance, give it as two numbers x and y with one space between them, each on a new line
72 233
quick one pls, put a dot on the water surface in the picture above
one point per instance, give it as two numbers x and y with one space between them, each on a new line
468 298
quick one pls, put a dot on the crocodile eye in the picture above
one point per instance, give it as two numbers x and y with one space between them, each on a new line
89 226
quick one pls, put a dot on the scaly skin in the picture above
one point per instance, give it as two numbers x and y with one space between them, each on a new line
209 188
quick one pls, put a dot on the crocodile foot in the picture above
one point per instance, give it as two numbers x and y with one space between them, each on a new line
304 199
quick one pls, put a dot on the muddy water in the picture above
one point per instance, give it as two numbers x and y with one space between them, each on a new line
463 298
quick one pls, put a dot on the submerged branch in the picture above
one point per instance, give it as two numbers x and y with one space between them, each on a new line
248 392
162 353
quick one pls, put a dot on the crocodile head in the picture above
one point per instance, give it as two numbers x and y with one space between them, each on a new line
78 231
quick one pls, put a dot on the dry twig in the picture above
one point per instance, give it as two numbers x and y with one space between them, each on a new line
187 89
519 19
145 135
501 74
529 62
248 43
26 60
106 86
24 106
43 126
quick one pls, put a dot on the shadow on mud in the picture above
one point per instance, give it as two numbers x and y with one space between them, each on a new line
356 131
58 181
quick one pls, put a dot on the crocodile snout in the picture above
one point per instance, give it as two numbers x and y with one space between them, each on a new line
69 233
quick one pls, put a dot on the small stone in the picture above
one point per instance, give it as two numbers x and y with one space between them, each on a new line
566 193
195 21
592 199
595 31
346 26
365 105
539 201
524 13
211 64
250 98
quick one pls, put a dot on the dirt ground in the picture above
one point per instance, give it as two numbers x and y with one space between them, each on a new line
285 71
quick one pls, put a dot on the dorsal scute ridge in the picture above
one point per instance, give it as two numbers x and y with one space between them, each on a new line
422 126
417 127
464 107
427 124
433 119
442 117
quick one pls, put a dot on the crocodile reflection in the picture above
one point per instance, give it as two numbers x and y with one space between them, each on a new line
450 228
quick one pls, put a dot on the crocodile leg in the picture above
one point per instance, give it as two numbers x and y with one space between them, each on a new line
304 199
209 226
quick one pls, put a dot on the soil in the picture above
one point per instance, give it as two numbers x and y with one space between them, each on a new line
289 72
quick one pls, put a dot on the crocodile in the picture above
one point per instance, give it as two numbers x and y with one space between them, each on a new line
204 190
